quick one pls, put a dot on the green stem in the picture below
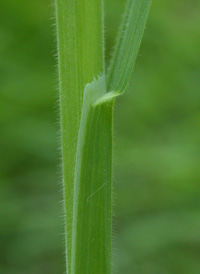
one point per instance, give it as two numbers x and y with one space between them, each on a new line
81 59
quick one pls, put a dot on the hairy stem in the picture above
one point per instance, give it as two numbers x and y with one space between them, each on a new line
80 52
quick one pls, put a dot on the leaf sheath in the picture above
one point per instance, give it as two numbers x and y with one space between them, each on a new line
92 226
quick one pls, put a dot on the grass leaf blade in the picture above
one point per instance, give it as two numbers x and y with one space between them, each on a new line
127 45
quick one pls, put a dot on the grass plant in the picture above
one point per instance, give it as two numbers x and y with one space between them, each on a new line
87 93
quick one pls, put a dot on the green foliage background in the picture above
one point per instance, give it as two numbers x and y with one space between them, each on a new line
157 143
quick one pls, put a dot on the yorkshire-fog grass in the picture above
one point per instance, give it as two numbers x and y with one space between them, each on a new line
87 94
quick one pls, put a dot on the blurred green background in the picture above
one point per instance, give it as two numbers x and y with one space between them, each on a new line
157 143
